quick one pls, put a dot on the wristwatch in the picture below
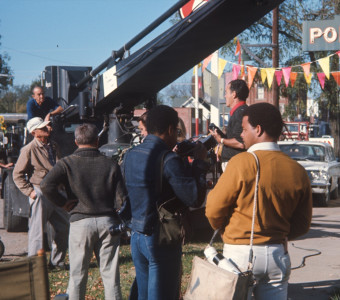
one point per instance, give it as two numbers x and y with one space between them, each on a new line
222 140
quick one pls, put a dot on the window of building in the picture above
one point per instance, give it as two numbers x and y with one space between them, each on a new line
259 91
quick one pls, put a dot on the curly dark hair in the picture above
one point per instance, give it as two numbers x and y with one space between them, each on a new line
160 118
267 116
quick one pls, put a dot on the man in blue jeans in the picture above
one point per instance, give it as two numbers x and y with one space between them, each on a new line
157 266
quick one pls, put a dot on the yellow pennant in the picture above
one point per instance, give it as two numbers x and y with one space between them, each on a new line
270 76
324 63
263 75
221 65
308 78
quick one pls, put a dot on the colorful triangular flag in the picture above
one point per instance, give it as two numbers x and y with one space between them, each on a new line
238 48
270 76
278 75
308 78
221 65
336 76
293 76
263 75
324 63
306 68
321 77
251 74
286 74
206 62
236 70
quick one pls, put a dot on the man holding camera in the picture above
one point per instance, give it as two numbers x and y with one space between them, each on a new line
236 95
158 266
95 189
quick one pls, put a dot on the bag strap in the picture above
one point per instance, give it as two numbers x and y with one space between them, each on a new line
160 166
250 261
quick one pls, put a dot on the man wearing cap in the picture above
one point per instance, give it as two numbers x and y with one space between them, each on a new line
36 159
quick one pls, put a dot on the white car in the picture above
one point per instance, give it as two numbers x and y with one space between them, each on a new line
322 166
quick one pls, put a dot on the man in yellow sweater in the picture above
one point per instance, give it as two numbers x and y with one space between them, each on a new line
284 207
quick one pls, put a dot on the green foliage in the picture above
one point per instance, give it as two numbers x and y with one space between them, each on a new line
14 100
5 81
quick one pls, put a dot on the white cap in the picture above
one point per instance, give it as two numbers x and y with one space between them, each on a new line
36 123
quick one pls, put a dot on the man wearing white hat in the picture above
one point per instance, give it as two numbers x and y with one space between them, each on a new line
36 159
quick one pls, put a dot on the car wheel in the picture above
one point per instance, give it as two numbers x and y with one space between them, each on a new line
335 193
12 223
321 200
2 248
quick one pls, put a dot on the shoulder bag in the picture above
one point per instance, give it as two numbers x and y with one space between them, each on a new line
170 215
211 282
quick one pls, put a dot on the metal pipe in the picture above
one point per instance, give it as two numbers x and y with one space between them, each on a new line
134 41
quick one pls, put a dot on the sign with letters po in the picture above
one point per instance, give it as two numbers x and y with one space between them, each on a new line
321 35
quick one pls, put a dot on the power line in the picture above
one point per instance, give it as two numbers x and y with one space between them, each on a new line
39 56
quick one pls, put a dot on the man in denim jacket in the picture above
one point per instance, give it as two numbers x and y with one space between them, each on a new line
158 267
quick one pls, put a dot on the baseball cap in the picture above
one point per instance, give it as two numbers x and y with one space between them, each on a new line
36 123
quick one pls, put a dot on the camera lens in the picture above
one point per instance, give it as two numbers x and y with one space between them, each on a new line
117 229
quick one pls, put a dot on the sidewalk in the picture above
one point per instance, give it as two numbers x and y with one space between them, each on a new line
321 274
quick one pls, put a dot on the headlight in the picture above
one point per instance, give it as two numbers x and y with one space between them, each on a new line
318 175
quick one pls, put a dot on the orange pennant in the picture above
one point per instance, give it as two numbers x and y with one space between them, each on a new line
238 48
251 74
336 76
293 76
306 68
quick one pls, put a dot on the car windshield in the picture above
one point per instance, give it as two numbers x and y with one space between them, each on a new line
304 152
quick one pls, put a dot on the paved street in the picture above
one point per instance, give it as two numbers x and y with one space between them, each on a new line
321 273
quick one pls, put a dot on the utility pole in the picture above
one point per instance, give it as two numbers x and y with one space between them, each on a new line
275 54
196 102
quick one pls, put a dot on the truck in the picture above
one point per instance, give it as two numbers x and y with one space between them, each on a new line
108 94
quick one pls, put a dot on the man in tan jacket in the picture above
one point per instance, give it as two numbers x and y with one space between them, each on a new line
35 161
284 206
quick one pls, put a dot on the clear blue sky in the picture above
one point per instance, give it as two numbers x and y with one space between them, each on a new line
38 33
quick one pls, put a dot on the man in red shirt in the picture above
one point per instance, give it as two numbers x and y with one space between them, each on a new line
237 92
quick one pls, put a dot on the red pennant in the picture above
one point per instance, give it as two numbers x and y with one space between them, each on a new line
322 78
278 75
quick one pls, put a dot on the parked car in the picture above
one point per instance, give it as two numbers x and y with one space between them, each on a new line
322 166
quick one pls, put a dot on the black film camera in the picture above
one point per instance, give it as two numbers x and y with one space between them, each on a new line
186 148
118 229
212 126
